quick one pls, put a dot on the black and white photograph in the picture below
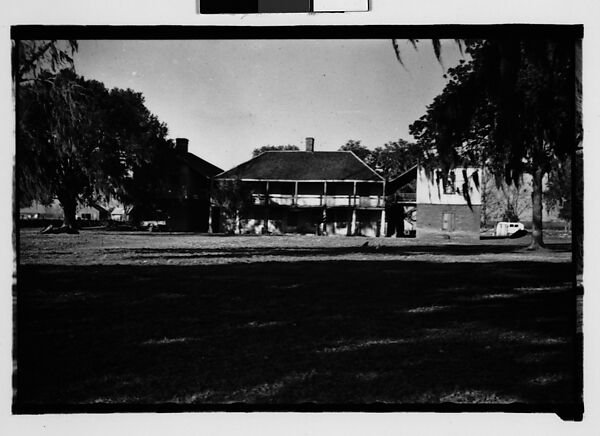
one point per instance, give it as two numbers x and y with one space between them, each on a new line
332 222
340 219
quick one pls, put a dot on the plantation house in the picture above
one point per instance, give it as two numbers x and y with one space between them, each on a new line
306 192
336 193
322 192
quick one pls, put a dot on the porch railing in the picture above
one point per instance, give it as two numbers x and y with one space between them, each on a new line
306 200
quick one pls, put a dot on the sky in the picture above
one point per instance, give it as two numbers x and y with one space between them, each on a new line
229 97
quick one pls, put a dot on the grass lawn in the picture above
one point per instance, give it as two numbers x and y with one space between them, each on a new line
140 318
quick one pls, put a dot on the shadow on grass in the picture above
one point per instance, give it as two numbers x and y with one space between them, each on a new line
270 333
294 251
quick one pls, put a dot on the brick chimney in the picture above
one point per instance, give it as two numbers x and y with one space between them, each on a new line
310 144
181 145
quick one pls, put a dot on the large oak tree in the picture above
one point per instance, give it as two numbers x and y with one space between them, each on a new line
513 107
79 142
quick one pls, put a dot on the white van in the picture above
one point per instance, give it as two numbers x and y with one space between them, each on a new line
507 229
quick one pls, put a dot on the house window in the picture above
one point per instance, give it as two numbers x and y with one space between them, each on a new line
450 185
447 181
448 222
86 216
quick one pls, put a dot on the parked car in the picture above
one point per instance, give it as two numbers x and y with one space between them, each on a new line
507 229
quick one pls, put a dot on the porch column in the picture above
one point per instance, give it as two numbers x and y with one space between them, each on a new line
295 201
324 203
266 228
210 205
353 223
382 229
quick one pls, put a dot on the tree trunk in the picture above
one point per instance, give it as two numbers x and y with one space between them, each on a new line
69 205
537 240
484 199
577 213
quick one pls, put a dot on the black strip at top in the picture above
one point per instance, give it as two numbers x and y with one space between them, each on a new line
441 31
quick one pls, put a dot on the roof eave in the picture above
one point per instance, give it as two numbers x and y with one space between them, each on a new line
367 166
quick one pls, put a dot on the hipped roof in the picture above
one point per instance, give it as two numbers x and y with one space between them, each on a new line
303 165
199 165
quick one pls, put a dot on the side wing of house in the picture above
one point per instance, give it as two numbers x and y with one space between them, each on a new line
449 206
189 205
183 199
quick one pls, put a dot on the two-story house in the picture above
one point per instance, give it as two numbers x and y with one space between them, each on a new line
311 192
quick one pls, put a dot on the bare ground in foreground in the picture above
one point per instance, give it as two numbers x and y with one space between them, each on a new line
106 317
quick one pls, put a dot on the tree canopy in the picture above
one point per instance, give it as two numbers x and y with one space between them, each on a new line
392 159
79 142
34 57
233 198
511 107
260 150
396 157
361 151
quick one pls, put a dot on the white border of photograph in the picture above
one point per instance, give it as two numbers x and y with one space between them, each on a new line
340 5
389 12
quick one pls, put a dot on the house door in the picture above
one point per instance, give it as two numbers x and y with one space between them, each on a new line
448 222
